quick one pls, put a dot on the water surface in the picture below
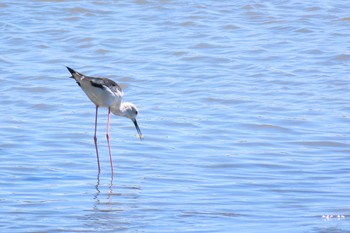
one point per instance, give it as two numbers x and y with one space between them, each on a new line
244 107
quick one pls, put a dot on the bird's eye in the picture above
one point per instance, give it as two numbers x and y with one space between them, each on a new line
136 112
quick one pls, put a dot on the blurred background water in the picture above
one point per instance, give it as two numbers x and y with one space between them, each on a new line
244 107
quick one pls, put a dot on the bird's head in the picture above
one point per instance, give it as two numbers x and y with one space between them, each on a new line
129 110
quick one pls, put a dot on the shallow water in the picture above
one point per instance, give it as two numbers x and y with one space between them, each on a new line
244 107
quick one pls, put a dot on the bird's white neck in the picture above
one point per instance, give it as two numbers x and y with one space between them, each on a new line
121 110
125 109
118 110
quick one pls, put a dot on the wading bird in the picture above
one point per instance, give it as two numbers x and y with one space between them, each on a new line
104 92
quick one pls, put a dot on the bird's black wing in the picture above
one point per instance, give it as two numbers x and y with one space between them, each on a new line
105 83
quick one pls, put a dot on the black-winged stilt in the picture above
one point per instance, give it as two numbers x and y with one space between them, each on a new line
104 92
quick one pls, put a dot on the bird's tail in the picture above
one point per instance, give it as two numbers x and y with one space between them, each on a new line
76 75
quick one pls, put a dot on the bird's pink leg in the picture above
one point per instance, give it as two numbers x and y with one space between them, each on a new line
95 140
107 136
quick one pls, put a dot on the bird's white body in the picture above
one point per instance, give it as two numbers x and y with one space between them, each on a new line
101 97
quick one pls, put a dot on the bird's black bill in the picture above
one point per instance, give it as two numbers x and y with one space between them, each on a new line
137 128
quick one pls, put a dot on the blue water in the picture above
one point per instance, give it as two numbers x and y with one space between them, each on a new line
244 108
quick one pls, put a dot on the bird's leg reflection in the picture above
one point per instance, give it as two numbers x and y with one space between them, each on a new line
98 191
111 187
97 187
